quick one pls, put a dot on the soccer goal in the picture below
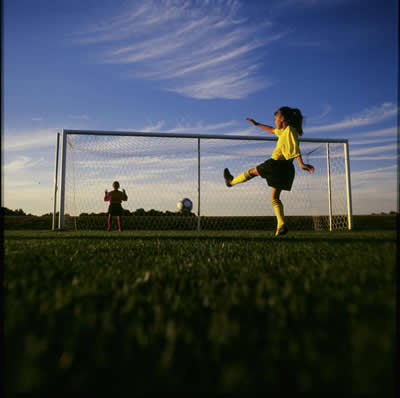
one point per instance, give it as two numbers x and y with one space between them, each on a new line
158 170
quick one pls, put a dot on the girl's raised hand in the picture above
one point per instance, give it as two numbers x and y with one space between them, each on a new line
251 121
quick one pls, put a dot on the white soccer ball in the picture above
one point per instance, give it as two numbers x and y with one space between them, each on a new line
185 205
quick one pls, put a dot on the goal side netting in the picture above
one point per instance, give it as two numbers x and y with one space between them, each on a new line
159 170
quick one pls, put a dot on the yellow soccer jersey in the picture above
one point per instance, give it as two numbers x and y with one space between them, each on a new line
288 144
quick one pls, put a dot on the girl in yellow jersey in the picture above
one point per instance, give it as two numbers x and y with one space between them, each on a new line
278 170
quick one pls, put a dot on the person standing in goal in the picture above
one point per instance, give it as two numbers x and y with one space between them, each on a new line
278 170
115 198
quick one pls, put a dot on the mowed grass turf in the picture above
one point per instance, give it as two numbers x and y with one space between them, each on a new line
222 312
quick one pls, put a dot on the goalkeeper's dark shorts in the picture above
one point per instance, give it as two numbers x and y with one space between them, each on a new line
115 209
278 173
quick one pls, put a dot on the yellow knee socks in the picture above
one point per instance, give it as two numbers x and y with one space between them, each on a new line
242 178
278 207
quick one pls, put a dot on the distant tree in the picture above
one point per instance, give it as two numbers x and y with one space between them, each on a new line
139 212
8 212
154 212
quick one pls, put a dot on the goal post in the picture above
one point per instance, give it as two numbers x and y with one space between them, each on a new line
53 224
159 169
348 185
63 178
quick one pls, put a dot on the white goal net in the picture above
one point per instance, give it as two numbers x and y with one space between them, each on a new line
158 170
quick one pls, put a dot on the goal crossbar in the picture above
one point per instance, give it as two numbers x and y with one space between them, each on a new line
204 136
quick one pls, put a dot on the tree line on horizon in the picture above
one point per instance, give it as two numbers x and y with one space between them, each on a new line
125 212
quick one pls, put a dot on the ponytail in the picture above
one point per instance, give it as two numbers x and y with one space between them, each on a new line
298 120
293 117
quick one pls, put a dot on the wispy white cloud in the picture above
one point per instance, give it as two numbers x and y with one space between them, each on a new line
197 47
374 150
375 141
378 173
367 117
182 127
28 140
201 128
132 20
154 127
326 109
378 145
390 132
22 163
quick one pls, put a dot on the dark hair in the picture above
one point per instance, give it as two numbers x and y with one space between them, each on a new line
115 184
293 117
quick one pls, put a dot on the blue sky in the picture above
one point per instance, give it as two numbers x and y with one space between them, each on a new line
198 67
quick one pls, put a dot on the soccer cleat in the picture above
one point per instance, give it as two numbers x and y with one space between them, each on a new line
283 230
228 178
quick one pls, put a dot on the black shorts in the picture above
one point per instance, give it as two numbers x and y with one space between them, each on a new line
115 209
278 173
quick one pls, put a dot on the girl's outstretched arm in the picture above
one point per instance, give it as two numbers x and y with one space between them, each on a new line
265 127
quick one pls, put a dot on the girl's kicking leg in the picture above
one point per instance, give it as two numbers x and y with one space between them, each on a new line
247 175
109 222
119 223
281 229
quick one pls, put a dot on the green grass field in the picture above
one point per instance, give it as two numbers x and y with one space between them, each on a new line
222 312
